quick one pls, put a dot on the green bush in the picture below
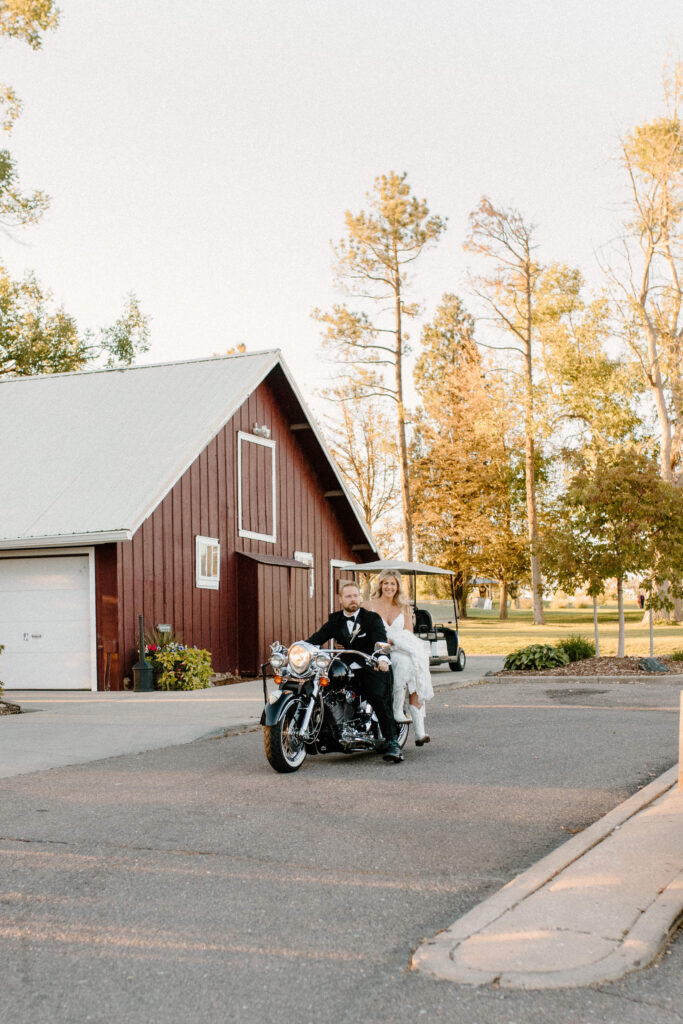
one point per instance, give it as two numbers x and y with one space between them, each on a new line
535 656
677 656
180 668
576 647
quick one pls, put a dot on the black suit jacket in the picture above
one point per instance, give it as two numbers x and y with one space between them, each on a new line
371 631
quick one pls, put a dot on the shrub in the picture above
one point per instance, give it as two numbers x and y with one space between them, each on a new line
180 668
576 647
677 656
534 657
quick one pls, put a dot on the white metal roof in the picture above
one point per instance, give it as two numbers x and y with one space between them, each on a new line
85 457
400 566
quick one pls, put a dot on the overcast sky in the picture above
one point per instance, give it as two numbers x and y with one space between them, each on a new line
202 152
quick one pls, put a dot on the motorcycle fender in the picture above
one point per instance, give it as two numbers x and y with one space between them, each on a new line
272 713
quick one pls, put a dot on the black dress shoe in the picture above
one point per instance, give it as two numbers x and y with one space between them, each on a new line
392 753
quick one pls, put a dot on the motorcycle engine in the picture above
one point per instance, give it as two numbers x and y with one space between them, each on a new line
353 719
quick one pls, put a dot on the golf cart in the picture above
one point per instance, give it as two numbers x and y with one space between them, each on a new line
444 644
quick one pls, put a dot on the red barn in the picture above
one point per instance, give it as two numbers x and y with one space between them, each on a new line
199 494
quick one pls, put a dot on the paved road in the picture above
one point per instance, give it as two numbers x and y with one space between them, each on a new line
194 884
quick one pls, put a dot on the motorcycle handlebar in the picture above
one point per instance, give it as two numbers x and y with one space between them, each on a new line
372 658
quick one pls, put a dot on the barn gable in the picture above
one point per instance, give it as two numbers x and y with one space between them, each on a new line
91 454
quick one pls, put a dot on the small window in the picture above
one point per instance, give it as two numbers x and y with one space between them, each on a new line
307 558
207 563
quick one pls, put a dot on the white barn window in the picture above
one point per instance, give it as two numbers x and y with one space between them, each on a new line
207 563
256 487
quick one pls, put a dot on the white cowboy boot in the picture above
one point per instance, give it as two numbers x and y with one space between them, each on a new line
399 712
418 716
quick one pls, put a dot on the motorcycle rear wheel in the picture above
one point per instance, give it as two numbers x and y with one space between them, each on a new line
285 752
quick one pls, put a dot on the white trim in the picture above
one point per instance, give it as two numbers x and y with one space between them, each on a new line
200 580
265 443
20 543
307 558
92 592
93 620
37 552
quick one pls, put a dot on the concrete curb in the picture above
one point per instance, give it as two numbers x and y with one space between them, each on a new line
637 947
456 684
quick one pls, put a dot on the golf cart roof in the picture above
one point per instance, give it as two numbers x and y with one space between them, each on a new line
403 567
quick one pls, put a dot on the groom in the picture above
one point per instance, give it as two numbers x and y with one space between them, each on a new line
359 629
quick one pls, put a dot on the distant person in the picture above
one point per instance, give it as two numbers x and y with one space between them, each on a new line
409 656
641 600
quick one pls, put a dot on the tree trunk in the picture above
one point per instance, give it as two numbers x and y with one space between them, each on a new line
503 613
620 604
664 614
530 460
595 627
401 417
657 388
532 517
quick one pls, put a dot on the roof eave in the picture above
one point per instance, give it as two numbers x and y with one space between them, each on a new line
323 444
66 540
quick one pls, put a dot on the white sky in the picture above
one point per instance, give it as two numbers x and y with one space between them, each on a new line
202 152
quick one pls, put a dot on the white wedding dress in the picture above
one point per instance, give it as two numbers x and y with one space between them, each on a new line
410 662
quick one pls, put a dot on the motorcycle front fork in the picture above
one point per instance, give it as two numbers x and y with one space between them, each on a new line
302 730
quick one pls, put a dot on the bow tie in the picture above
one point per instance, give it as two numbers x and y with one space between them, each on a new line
350 621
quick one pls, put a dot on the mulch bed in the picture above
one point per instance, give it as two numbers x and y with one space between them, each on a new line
9 709
603 667
225 679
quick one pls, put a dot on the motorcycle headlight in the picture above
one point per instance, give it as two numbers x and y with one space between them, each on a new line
277 660
321 661
299 658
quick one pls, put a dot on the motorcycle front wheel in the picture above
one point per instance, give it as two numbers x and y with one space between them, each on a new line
284 750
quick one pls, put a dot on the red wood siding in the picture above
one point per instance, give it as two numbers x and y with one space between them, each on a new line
155 571
109 662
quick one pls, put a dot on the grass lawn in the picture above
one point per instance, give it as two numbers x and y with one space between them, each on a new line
484 633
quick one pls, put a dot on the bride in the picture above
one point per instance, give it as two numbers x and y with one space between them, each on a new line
409 656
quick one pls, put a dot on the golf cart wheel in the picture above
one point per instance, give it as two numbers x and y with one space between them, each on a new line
459 663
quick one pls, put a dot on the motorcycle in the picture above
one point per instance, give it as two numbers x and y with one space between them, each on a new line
315 709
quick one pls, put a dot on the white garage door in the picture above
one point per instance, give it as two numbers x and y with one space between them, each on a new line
45 623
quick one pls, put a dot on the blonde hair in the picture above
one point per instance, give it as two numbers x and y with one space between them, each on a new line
399 598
